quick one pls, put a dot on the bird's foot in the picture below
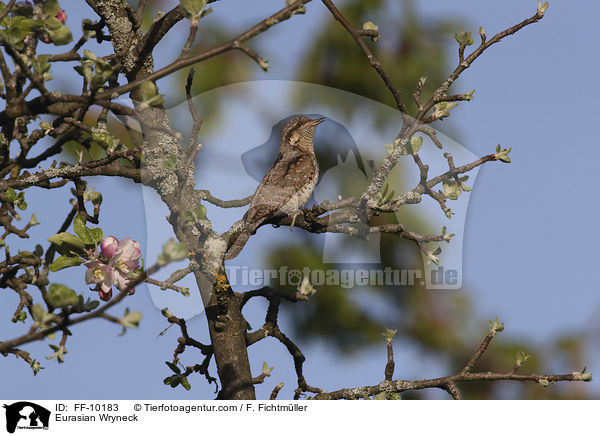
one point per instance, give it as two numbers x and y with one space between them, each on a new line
296 214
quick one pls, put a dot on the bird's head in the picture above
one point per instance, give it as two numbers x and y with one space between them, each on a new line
299 132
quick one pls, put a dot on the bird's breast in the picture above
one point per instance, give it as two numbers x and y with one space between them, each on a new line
303 193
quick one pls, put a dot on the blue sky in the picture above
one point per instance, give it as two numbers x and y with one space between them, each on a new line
530 234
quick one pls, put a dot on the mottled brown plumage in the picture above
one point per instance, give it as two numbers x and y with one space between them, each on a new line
288 184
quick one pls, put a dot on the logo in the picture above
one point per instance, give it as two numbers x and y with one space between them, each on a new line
26 415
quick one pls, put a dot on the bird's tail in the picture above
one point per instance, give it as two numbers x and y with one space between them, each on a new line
239 243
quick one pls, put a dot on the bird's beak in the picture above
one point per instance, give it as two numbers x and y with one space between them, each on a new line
317 121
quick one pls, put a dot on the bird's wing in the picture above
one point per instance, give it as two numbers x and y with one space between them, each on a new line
280 183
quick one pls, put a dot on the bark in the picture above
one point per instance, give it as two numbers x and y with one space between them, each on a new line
227 328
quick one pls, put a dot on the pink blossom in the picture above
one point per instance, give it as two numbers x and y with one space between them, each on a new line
61 16
109 246
100 274
124 262
123 259
127 256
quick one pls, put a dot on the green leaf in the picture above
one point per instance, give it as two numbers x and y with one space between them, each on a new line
172 251
432 256
452 189
68 244
53 23
11 195
37 312
195 215
496 326
369 25
41 67
447 236
193 7
442 110
91 305
148 90
389 334
502 154
61 35
157 100
19 317
35 366
415 144
464 38
150 95
59 353
582 376
82 231
189 217
96 235
107 142
19 26
94 197
44 318
85 70
173 367
63 262
62 296
88 236
131 319
185 383
33 220
200 212
51 7
521 358
104 71
264 65
173 381
88 54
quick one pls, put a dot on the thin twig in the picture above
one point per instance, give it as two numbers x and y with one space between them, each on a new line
357 36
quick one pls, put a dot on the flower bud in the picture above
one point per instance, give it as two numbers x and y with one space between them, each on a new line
61 16
109 246
105 295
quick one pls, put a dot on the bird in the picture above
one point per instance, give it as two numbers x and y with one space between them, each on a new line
287 185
